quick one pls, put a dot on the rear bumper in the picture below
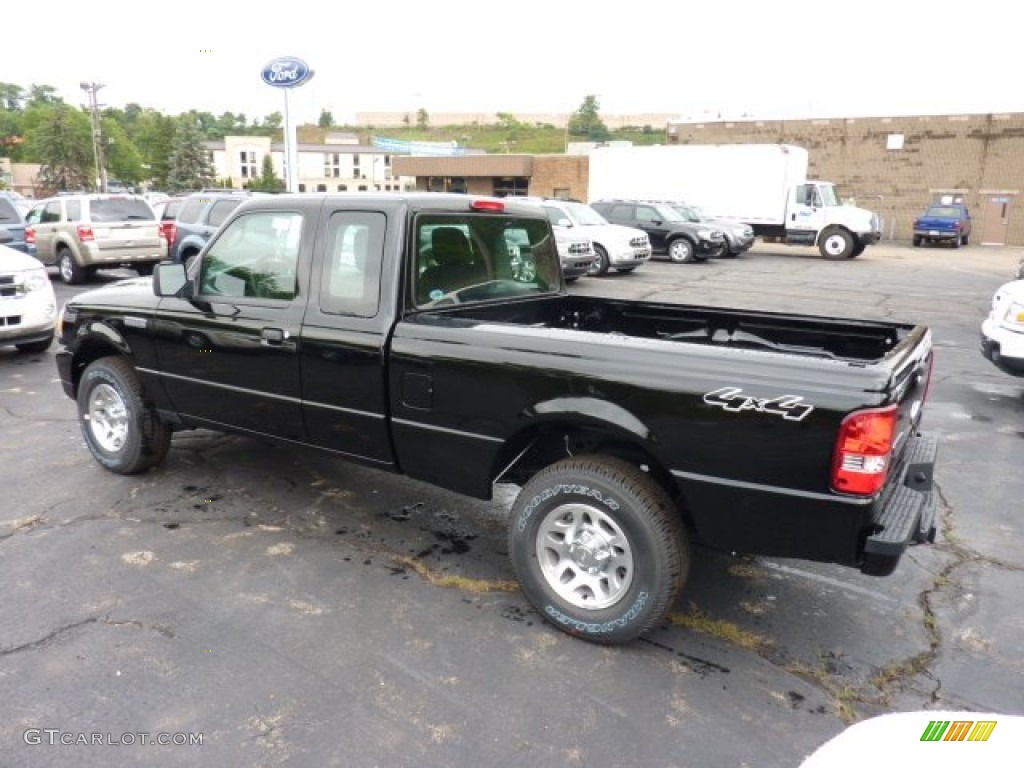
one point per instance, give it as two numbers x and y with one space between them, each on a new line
906 512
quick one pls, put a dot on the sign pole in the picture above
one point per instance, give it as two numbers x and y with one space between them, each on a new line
288 72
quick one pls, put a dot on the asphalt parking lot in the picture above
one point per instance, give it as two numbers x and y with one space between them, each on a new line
287 609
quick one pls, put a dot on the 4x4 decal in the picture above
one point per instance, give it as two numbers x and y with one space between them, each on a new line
789 407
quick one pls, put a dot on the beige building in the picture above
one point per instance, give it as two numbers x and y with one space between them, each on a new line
897 165
340 164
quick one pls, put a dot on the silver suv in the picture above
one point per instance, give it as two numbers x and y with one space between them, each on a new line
615 247
81 233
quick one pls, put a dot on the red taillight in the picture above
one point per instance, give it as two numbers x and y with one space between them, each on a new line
487 205
169 230
30 235
85 233
864 450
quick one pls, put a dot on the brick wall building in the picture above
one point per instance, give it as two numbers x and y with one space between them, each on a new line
897 165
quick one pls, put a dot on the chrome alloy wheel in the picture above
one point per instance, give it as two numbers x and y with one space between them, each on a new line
585 556
108 418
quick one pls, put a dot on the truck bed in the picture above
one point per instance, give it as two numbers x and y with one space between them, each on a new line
854 341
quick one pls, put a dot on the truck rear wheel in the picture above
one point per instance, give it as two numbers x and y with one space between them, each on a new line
836 244
121 429
598 548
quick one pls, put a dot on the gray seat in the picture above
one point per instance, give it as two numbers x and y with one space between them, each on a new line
454 265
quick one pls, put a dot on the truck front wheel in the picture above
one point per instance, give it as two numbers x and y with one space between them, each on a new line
836 244
121 429
598 548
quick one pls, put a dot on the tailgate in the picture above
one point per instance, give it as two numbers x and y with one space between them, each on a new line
909 383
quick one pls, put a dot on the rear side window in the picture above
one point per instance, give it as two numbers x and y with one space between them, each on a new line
482 258
192 209
220 210
120 209
74 209
351 276
8 213
172 209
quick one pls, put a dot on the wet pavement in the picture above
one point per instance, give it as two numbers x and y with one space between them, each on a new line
286 608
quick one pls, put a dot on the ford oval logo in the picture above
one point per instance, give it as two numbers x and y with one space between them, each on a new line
286 72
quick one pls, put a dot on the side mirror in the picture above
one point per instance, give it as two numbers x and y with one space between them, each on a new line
171 280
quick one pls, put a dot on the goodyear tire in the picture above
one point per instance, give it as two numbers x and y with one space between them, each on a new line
598 548
120 427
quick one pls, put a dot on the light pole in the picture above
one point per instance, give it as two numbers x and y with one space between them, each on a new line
97 134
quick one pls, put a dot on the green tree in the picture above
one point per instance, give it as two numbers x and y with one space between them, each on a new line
154 138
60 139
124 162
12 97
422 119
43 94
190 168
268 180
326 119
586 121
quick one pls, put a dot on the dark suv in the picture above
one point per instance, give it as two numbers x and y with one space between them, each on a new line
669 232
199 217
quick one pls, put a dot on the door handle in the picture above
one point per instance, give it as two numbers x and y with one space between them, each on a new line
274 337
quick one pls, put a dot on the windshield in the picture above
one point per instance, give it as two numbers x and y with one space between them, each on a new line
688 213
584 215
668 213
829 195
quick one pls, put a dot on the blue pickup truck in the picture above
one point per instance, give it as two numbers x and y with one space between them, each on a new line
946 223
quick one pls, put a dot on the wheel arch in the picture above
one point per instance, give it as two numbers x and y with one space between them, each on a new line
587 426
99 341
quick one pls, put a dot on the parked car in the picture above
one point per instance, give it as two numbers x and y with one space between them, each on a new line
1002 331
1020 269
83 232
682 240
199 217
166 212
615 247
946 223
576 253
12 222
28 307
739 237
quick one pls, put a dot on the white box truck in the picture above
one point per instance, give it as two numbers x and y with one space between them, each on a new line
763 185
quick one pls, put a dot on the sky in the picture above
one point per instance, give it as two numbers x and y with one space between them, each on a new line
767 59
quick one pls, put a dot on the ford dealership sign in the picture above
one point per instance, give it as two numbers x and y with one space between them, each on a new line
286 72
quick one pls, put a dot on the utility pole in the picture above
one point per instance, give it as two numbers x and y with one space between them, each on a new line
97 134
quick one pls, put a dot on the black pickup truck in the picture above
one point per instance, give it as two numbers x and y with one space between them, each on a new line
432 335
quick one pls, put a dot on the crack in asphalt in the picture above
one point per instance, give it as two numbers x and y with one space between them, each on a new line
57 634
37 419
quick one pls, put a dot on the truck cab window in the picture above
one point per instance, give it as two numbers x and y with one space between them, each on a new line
351 269
254 257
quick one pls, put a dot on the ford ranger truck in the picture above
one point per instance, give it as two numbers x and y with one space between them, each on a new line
950 224
402 332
